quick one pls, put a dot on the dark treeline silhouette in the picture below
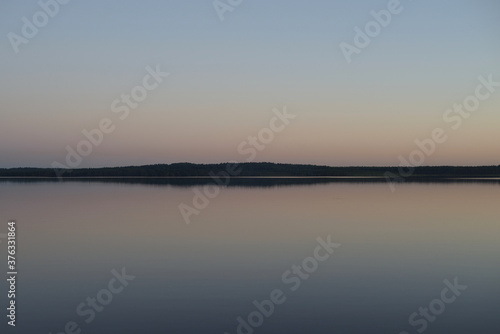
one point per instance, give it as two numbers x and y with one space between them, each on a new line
256 169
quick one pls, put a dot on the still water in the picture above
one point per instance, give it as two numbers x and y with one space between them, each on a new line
97 257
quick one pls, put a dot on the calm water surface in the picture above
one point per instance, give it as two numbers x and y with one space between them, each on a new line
396 251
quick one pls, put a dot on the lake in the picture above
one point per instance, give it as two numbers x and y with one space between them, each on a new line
317 256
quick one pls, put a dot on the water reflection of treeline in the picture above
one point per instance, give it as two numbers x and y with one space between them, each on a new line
246 181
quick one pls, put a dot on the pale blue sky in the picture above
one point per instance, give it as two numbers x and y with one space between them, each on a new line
227 76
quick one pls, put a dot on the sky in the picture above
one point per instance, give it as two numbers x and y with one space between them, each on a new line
229 68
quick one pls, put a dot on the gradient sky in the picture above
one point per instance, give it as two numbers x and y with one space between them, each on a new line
227 76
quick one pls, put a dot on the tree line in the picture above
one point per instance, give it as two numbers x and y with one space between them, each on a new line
260 169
